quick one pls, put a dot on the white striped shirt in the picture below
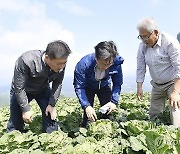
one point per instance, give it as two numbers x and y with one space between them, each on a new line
163 60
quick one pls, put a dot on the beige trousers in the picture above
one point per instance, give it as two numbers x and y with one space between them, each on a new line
159 95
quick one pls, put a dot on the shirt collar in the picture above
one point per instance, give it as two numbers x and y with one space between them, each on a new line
159 39
44 63
43 58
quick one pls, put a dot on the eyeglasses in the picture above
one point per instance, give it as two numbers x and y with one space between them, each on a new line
144 38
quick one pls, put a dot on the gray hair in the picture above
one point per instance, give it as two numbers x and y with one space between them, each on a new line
147 23
57 49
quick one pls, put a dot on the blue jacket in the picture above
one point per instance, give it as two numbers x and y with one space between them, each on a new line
84 76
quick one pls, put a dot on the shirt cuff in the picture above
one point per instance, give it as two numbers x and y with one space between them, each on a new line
25 108
84 107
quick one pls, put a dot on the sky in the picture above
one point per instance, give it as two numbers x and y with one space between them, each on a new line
32 24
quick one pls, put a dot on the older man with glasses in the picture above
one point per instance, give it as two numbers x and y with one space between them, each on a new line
161 53
93 75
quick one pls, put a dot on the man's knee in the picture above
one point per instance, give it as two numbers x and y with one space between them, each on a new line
153 113
51 129
49 125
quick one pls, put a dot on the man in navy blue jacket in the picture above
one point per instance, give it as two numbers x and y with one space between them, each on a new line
94 74
178 37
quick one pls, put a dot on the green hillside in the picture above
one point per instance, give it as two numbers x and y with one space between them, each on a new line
129 131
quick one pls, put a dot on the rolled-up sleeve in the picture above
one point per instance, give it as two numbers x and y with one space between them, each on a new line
141 65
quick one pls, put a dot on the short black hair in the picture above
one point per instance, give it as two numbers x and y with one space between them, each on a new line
57 49
105 49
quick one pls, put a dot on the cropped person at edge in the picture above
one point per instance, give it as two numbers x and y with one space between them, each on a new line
178 37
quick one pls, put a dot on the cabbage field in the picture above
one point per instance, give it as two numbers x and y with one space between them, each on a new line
129 131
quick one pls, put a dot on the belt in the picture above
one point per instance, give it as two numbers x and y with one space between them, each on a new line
164 83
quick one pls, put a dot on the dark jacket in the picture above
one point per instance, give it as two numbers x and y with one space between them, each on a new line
84 76
32 76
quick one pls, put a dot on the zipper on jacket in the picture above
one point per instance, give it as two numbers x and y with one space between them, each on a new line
100 84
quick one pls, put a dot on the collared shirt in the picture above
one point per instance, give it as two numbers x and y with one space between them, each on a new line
163 60
99 74
43 57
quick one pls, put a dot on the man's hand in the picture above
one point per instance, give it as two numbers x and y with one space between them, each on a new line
52 111
174 100
139 91
27 117
91 114
111 107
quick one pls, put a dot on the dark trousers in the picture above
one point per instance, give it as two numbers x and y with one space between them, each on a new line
16 121
104 96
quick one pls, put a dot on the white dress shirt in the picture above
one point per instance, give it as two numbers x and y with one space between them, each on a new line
163 60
